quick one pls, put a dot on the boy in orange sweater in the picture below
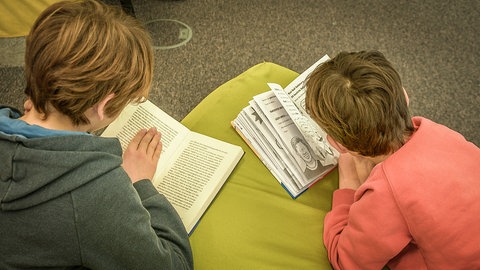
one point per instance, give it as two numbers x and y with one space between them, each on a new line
408 187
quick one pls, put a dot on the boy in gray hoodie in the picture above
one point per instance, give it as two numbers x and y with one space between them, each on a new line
69 199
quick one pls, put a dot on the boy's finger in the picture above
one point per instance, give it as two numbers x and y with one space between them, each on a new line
158 151
146 140
134 143
153 145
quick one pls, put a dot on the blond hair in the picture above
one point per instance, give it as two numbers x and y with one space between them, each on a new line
79 52
358 99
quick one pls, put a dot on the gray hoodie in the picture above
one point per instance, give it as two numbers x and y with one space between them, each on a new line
66 202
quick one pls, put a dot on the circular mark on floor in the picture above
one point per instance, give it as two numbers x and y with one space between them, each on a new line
168 33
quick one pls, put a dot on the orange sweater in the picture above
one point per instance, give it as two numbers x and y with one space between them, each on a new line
418 209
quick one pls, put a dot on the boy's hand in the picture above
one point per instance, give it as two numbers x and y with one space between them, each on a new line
141 156
364 167
353 170
347 172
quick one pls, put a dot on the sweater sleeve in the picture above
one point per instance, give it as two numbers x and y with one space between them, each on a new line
365 228
167 224
125 226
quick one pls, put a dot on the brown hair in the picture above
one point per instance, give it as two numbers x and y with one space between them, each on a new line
78 52
358 99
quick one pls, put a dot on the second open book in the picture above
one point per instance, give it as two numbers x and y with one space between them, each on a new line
290 144
192 167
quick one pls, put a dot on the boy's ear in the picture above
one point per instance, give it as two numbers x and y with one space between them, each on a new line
100 107
340 148
27 105
406 96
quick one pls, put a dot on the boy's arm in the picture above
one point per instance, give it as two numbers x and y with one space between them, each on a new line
133 226
166 223
121 226
365 228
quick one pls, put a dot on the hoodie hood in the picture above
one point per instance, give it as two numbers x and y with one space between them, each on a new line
37 170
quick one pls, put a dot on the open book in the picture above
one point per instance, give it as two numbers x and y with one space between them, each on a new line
192 167
280 132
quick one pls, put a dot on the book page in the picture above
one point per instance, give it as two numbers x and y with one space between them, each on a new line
252 126
200 168
312 133
296 89
147 115
291 137
273 138
192 167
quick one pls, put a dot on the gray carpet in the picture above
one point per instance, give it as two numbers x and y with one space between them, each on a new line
433 44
